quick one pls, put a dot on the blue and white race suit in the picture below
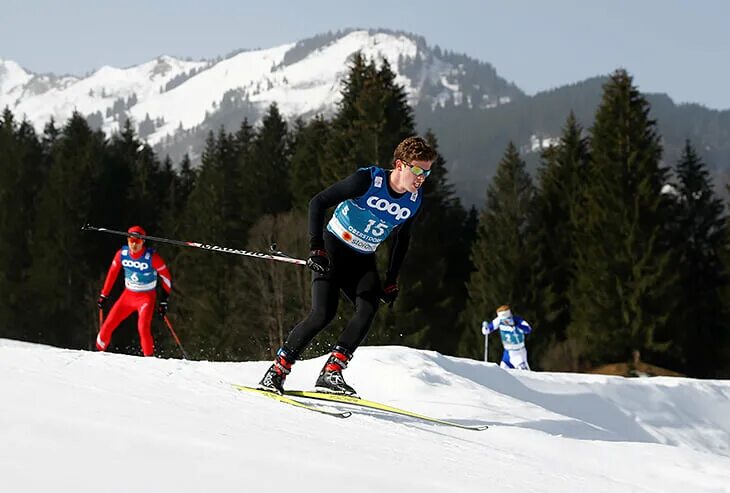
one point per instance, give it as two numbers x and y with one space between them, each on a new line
512 331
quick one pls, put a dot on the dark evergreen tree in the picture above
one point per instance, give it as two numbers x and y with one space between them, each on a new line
699 327
22 173
115 183
372 118
244 137
146 194
621 295
50 135
561 178
205 279
180 187
308 160
187 179
268 173
248 200
199 275
501 256
64 308
725 297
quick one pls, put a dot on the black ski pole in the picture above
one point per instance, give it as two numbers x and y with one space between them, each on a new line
203 246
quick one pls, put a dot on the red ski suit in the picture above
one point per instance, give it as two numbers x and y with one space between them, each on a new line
135 297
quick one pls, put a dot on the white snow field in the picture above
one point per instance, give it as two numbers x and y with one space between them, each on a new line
80 421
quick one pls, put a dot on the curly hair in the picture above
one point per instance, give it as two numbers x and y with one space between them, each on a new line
414 149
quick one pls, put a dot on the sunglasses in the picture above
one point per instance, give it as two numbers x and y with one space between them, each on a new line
132 239
417 170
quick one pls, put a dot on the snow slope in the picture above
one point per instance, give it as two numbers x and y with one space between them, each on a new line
80 421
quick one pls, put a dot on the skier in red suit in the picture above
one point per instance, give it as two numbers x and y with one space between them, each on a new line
142 266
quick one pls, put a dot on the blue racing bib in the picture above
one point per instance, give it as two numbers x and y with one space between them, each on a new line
139 275
365 222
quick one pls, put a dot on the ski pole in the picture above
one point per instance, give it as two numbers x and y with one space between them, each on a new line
486 342
174 335
101 320
486 348
204 246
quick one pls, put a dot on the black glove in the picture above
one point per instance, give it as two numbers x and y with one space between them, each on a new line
101 301
162 307
389 293
318 261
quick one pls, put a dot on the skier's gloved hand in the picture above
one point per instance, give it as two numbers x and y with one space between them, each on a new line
485 327
101 301
162 306
389 293
318 261
162 309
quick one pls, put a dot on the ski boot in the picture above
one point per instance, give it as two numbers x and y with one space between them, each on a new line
330 378
274 377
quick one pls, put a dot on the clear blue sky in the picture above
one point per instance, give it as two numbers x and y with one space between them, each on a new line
673 46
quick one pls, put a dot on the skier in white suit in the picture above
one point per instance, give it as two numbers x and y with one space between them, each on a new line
512 330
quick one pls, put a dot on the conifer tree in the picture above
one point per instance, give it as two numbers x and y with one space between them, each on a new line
308 159
146 194
181 186
185 184
64 309
621 294
22 173
116 179
268 174
244 137
213 213
202 277
500 254
247 205
561 179
699 328
50 134
372 118
724 371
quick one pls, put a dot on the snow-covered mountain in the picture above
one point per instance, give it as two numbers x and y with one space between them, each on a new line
40 97
167 95
78 421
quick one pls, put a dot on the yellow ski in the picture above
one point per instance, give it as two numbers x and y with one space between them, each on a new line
293 402
356 401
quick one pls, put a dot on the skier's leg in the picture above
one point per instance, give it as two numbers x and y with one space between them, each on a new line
366 305
365 294
145 310
325 298
325 295
518 358
121 310
506 363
